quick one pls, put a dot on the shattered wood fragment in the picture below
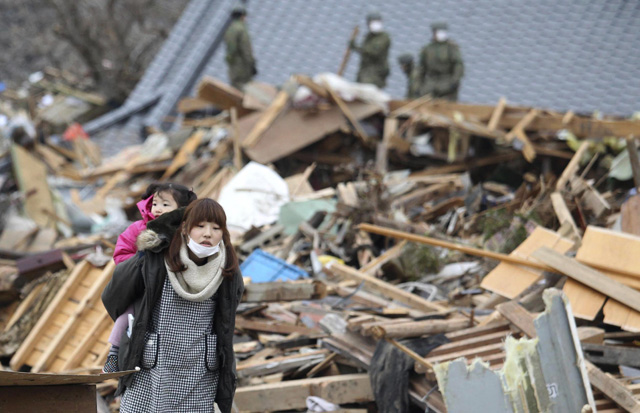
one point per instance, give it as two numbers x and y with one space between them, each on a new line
564 215
612 355
612 388
243 323
184 154
572 167
386 289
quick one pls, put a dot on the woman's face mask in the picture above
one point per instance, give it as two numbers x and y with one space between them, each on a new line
375 26
204 239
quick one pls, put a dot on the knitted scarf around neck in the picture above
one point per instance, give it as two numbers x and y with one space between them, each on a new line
198 282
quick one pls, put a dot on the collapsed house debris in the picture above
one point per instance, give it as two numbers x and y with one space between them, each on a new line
382 242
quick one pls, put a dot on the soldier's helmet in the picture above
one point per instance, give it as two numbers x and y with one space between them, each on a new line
374 15
238 11
439 26
405 59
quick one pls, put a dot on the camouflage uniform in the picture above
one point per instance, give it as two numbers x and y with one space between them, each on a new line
374 52
242 65
413 78
440 69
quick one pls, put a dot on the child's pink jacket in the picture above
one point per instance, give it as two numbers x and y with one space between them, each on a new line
126 244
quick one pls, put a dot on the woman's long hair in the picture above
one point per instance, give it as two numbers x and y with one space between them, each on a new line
201 210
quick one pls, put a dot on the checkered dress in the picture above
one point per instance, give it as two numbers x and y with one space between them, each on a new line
179 363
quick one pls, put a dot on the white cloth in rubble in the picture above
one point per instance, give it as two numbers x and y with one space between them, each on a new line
350 91
253 197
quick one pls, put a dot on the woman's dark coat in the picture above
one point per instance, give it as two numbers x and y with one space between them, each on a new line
140 279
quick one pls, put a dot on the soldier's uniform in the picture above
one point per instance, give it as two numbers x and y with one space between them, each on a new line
242 65
413 77
374 52
440 68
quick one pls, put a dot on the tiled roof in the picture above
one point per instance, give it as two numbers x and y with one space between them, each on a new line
557 54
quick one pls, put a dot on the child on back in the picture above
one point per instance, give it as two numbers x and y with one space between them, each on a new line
158 199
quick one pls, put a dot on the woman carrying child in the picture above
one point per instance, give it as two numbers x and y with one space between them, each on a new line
159 198
185 288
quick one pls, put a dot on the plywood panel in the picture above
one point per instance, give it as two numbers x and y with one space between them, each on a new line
617 251
511 280
585 302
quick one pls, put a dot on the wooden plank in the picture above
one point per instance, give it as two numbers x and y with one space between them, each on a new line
519 316
292 394
386 289
237 151
497 113
511 280
419 328
590 277
612 389
89 300
184 154
31 175
572 167
90 337
36 332
268 117
243 323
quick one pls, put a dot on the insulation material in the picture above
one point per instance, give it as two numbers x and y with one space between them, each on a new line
545 374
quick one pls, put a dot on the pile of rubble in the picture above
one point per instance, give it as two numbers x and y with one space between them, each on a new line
381 241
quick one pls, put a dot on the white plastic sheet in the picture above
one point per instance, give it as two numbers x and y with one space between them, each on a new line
253 197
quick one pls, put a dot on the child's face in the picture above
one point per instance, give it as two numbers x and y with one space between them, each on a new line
206 233
163 202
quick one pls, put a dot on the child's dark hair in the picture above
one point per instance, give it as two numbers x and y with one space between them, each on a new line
180 193
202 210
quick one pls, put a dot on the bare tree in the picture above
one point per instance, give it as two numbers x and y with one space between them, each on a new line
115 39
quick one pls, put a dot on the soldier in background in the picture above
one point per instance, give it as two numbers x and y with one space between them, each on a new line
374 52
413 79
242 65
440 67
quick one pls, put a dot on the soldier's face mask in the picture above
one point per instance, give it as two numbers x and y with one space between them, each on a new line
375 26
441 35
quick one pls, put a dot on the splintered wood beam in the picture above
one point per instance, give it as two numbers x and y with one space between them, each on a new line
313 86
589 277
268 117
418 328
497 114
450 245
386 289
348 114
522 125
572 167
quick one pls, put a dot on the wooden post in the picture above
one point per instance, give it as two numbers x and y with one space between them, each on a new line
632 147
497 114
237 151
347 53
